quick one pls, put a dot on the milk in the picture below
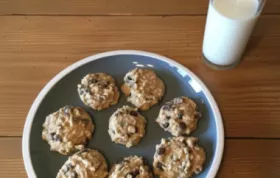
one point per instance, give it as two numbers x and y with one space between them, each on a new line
228 28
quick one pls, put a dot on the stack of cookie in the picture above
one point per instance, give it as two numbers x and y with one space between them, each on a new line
70 129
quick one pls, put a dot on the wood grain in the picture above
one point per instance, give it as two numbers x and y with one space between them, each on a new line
242 159
35 49
11 163
114 7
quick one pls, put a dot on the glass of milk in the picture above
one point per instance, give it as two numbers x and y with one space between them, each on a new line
228 28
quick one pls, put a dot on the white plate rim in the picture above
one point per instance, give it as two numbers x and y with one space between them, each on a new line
31 114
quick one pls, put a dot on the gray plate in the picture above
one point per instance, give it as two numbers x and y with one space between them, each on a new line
62 90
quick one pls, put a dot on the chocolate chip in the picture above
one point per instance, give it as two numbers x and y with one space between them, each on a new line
167 140
105 84
128 78
74 174
80 92
168 117
101 98
68 167
91 81
85 121
182 126
165 125
55 137
134 174
160 166
133 113
161 151
52 134
180 115
195 142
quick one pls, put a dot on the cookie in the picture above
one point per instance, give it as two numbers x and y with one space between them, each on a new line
143 88
127 126
178 157
131 167
179 116
98 91
68 129
87 163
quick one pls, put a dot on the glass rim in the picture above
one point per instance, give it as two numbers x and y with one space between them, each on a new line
260 7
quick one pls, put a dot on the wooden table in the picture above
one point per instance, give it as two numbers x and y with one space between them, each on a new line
39 38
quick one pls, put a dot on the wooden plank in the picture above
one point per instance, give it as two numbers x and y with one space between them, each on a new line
251 158
242 159
11 163
114 7
34 49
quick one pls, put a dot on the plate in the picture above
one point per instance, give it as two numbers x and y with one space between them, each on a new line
40 162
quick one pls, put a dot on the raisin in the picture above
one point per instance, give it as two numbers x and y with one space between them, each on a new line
160 166
165 125
180 115
182 126
133 113
161 151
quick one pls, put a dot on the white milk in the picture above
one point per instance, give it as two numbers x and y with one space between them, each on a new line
228 28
